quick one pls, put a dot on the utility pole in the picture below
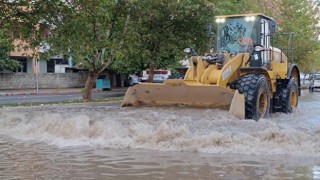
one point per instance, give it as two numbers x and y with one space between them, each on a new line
37 78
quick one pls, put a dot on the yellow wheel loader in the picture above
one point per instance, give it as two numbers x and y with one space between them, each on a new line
246 73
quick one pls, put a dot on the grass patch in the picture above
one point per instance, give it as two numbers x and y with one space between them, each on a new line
109 99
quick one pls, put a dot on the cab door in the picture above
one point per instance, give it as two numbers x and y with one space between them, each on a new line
265 40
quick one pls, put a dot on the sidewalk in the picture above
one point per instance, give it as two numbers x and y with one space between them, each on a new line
56 91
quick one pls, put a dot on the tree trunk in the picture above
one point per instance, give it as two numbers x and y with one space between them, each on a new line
151 72
88 87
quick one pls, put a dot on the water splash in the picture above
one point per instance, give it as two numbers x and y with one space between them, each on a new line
164 129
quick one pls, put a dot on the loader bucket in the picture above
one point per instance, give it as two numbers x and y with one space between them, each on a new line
178 92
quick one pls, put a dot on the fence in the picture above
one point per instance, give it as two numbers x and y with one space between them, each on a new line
44 80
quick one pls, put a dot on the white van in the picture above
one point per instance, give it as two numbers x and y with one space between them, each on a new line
314 82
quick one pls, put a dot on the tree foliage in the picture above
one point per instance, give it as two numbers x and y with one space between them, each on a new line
9 18
131 35
159 31
6 63
92 32
300 17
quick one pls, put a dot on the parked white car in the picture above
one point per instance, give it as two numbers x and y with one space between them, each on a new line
133 80
159 78
144 78
314 82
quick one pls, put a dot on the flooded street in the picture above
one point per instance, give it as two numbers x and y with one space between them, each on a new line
102 141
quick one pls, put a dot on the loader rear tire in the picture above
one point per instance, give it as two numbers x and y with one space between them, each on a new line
289 96
257 96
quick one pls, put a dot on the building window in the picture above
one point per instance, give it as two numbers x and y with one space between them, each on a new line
53 62
61 61
50 66
23 62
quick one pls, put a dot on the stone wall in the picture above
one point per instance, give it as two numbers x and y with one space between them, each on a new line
45 80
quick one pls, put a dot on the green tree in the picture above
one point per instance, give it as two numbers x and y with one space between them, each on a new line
13 25
159 31
230 7
6 63
301 18
129 36
92 32
19 20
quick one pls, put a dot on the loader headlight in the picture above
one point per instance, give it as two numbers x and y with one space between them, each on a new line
190 51
220 20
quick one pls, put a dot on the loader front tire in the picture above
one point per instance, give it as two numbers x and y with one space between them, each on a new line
257 96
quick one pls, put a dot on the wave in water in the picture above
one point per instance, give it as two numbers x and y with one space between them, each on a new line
164 129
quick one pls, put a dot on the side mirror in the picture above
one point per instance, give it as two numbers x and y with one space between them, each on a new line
259 48
187 50
272 26
190 50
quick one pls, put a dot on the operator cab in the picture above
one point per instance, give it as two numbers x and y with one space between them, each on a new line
249 33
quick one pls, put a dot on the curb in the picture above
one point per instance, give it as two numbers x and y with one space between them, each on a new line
36 93
60 92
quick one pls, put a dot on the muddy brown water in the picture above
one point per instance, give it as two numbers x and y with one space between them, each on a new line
103 141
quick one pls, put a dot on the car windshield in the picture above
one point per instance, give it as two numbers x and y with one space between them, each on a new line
317 77
236 34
